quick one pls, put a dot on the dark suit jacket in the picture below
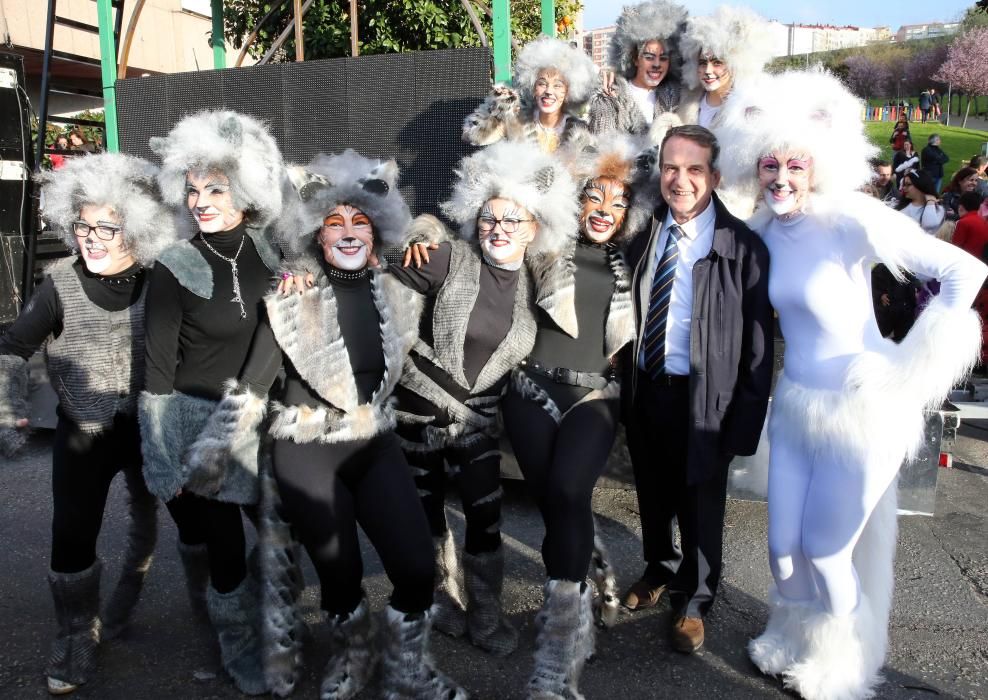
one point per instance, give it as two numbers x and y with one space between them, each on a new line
730 341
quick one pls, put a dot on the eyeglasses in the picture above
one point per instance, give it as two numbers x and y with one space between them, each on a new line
509 224
103 232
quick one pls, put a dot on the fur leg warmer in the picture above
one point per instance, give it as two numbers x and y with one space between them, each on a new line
195 563
142 535
564 641
407 670
282 584
450 615
223 459
76 597
606 601
169 423
484 579
236 619
13 403
778 647
353 657
838 659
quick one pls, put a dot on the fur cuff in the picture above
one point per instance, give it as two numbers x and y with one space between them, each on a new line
496 118
303 264
426 229
13 403
228 444
661 125
169 422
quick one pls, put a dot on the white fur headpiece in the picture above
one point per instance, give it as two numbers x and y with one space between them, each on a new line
124 183
810 112
518 171
368 184
239 146
653 20
736 35
574 65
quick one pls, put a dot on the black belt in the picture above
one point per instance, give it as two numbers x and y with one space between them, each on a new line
562 375
669 379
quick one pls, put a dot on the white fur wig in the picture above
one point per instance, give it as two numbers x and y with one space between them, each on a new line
736 35
368 184
518 171
653 20
810 112
124 183
575 66
239 146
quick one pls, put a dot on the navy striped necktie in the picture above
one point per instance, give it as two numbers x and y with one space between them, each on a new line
654 340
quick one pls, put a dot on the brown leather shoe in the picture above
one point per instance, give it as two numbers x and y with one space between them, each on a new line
687 634
641 595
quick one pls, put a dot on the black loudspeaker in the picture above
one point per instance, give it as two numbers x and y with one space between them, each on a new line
15 168
407 106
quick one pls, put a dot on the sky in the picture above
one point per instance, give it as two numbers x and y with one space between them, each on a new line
861 13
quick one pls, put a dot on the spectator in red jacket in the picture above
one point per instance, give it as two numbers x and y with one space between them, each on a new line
971 234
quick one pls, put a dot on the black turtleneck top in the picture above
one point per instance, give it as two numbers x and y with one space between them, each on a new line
193 344
42 316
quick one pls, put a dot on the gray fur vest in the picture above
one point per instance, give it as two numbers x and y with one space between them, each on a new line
96 365
308 332
621 113
192 271
555 293
450 317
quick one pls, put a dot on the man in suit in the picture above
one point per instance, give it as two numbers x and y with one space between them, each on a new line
696 391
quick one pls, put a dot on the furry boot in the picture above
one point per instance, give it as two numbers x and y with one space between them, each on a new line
195 562
450 614
353 657
839 659
142 535
486 623
73 653
407 672
606 601
778 647
564 641
236 617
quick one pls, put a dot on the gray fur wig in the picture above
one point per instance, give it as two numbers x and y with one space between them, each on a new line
736 35
239 146
809 112
518 171
124 183
578 71
327 181
653 20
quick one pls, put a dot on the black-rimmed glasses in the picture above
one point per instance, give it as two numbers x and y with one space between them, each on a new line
104 232
509 224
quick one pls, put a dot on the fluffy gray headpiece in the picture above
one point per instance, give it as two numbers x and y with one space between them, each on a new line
239 146
736 35
578 71
347 178
518 171
124 183
653 20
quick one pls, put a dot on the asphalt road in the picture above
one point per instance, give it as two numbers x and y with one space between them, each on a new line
939 626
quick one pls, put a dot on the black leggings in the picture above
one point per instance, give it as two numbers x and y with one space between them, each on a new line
220 527
561 464
476 469
326 490
83 466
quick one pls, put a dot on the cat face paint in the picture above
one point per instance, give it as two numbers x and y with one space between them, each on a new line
605 204
505 230
784 179
550 91
346 238
210 199
713 73
102 257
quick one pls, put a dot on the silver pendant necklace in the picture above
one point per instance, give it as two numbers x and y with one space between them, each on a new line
237 298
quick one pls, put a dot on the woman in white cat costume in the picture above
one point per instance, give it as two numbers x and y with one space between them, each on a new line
88 313
561 408
336 461
223 173
849 405
553 83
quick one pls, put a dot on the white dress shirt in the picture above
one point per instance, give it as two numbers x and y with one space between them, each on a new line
694 244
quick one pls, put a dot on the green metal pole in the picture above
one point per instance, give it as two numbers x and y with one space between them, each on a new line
549 17
219 43
108 70
502 41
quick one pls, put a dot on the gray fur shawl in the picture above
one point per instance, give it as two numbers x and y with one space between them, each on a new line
621 113
307 330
